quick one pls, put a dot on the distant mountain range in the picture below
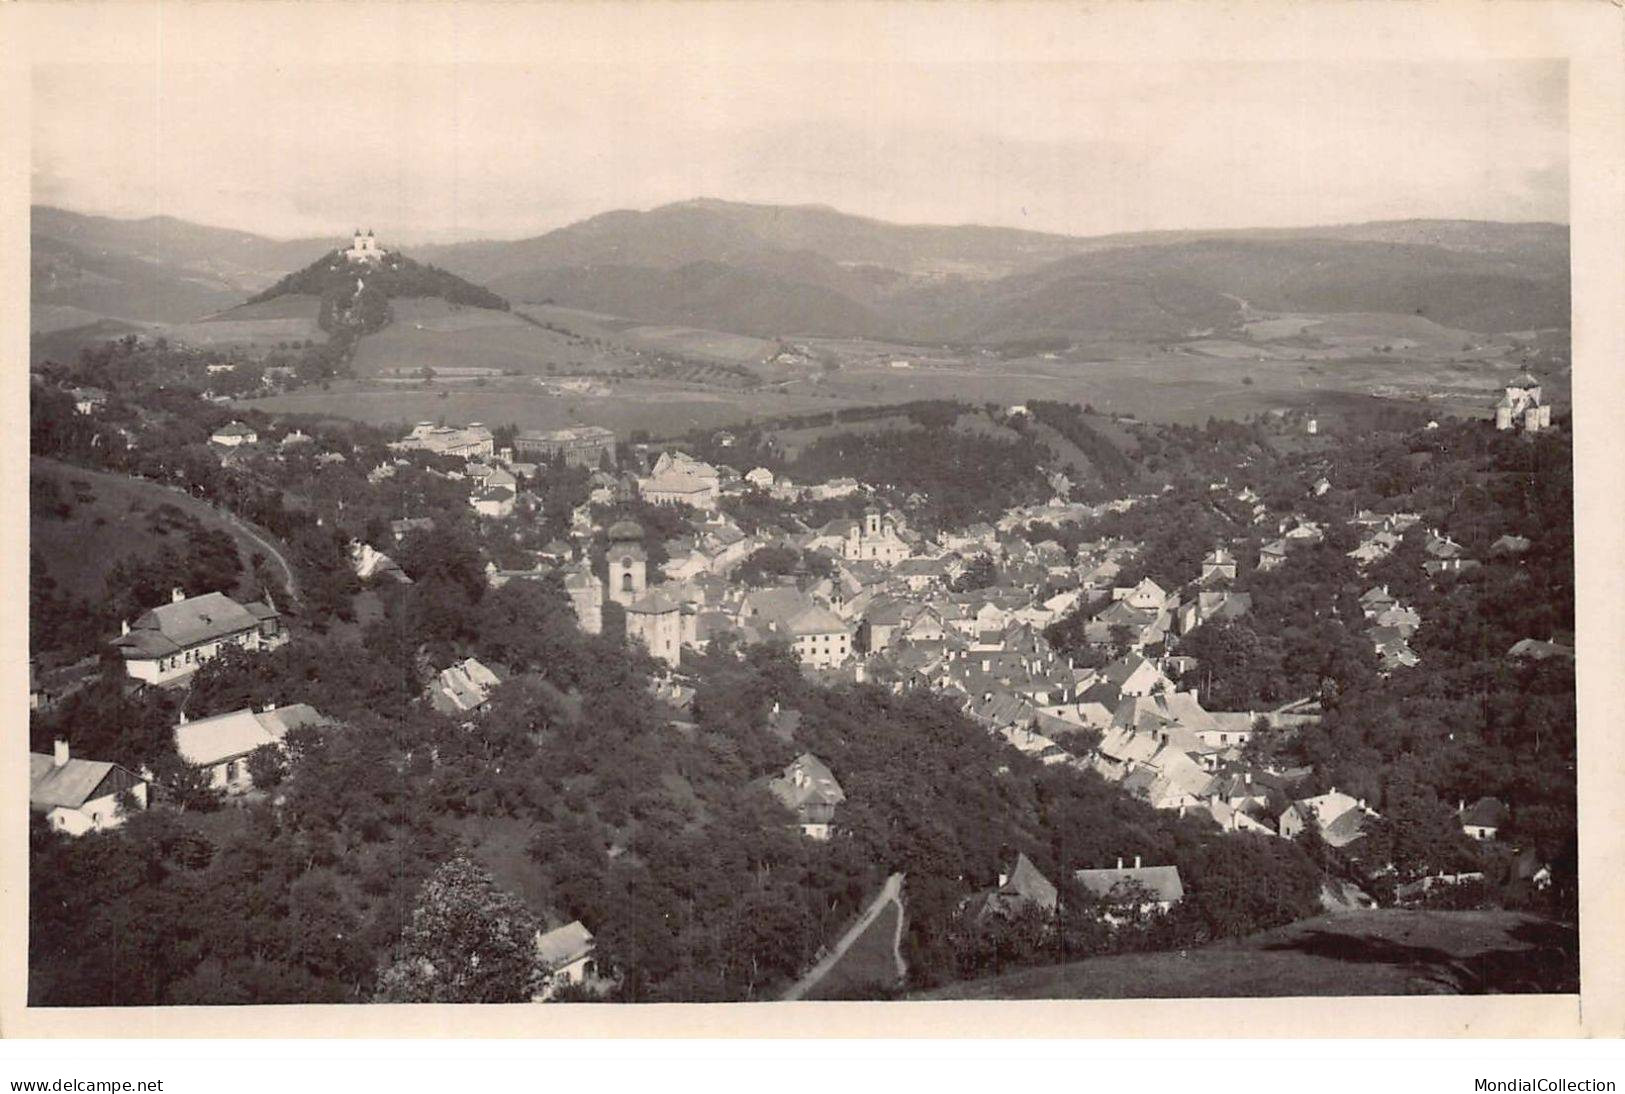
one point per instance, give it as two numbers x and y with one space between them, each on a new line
782 271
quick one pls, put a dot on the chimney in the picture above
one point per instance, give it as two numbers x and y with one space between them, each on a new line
123 627
1461 805
775 706
1249 778
183 718
1004 879
176 595
1119 862
1136 862
59 753
268 708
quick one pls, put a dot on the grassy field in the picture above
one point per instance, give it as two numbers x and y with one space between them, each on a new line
710 344
252 326
114 517
434 334
1382 952
870 963
633 404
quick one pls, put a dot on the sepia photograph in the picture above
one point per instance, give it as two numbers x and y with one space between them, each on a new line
701 508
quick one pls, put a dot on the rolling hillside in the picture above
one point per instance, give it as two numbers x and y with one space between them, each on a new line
769 271
156 269
777 271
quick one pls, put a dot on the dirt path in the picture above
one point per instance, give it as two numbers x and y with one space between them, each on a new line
271 550
889 892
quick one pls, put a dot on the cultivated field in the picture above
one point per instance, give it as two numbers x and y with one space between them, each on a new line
1383 952
659 408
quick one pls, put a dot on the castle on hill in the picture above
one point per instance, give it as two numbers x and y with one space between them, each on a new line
365 248
1521 406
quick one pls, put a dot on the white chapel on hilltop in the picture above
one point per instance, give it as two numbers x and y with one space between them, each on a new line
365 248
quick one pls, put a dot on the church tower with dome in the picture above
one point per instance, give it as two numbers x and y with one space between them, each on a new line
627 561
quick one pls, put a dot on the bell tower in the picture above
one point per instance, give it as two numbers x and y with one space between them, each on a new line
627 562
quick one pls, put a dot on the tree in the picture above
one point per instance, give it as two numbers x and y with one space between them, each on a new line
267 766
466 942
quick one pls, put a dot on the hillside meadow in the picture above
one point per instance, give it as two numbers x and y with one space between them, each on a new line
1381 952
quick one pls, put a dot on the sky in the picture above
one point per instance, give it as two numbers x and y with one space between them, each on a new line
514 142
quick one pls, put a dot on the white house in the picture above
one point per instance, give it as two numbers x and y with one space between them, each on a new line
79 796
171 641
1134 890
221 744
234 434
496 502
567 954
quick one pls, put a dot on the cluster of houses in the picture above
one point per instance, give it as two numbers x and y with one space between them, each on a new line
1391 625
890 604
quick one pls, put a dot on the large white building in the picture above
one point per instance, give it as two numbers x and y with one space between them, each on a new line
680 479
172 640
469 442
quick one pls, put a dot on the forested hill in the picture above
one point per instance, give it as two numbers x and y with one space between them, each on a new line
355 297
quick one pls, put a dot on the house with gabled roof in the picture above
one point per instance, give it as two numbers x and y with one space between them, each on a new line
77 796
566 955
1218 565
221 745
234 434
1133 891
464 688
1375 600
1272 555
819 637
371 564
1023 886
808 789
1484 818
169 642
1341 818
